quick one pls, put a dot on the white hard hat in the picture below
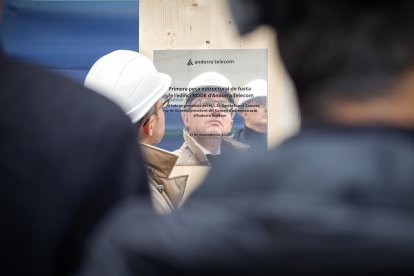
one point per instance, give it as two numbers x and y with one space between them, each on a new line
130 79
258 89
209 79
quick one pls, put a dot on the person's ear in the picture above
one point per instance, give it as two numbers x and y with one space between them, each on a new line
149 126
186 119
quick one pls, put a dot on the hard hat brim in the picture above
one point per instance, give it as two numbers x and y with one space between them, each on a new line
156 94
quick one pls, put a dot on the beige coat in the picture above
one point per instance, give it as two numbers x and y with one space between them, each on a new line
166 193
190 152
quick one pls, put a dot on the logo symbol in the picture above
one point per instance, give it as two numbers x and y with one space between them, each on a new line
189 62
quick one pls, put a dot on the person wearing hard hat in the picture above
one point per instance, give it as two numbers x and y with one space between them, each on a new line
208 118
131 80
253 110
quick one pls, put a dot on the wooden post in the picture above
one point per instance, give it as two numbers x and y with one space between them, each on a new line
208 24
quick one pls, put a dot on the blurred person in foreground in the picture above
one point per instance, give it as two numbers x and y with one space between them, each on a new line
253 110
335 199
208 118
67 155
131 80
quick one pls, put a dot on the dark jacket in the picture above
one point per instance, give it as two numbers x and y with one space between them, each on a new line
251 137
328 201
67 155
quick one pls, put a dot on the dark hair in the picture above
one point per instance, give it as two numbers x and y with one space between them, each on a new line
341 49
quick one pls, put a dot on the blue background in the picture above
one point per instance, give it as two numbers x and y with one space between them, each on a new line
68 36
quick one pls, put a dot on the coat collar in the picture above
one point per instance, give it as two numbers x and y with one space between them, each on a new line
198 152
194 147
160 160
235 144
